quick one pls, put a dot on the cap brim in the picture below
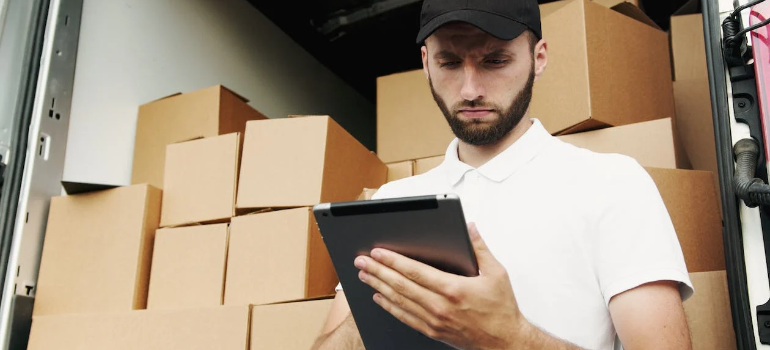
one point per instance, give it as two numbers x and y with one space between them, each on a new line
500 27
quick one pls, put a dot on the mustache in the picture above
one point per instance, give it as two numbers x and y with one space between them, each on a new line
475 104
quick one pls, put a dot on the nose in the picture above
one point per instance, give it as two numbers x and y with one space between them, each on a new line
472 89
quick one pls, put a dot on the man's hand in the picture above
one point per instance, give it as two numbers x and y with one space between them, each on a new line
466 312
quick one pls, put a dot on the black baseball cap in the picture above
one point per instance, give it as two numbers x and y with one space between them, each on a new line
503 19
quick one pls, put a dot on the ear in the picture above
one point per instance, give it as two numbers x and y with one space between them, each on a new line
424 51
541 58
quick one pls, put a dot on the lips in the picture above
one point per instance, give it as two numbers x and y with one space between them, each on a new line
475 113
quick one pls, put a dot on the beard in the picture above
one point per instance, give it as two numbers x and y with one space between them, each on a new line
478 133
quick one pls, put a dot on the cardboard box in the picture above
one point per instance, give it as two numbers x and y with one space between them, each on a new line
225 328
305 161
367 194
409 123
288 326
612 3
204 113
708 312
400 170
606 67
688 47
201 180
97 251
654 143
422 166
692 204
276 257
188 267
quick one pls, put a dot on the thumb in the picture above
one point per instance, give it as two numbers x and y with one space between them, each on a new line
484 257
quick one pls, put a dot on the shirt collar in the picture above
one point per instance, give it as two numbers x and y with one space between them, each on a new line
504 164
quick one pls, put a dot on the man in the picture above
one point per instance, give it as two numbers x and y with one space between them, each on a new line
577 247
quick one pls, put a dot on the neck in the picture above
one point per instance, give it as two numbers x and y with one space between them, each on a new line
477 156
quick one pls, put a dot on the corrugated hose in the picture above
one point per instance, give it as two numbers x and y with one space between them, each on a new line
753 191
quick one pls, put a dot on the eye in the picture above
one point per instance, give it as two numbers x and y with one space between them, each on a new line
497 62
449 64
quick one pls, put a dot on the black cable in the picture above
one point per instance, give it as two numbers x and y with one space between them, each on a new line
756 26
744 6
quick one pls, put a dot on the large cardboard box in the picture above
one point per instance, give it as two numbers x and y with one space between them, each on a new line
201 180
288 326
708 312
605 68
97 251
654 143
304 161
688 47
400 170
276 257
225 328
612 3
422 166
692 203
188 267
204 113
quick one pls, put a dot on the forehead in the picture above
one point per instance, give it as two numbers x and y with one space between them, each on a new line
464 36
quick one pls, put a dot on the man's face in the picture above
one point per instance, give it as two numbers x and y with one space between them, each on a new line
483 85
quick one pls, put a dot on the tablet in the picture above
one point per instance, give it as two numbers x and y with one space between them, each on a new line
430 229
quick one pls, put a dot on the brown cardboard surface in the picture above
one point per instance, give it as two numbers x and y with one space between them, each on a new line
367 194
409 123
204 113
688 47
653 143
97 251
225 328
691 201
303 162
400 170
708 312
188 267
288 326
277 256
611 3
201 181
422 166
603 66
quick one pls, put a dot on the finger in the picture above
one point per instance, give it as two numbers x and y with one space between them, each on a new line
397 282
484 257
424 275
405 317
399 300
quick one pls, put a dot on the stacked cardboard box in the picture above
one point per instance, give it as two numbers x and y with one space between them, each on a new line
619 101
220 263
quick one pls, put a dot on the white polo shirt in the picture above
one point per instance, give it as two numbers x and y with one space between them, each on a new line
572 227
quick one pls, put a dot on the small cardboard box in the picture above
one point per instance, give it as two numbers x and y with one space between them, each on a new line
606 67
288 326
275 257
201 180
422 166
304 161
692 203
188 267
708 312
225 328
97 251
400 170
688 47
654 143
367 194
204 113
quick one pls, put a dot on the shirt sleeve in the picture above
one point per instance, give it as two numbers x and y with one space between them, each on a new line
636 242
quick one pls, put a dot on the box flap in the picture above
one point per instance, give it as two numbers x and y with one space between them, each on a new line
81 187
235 93
163 98
635 12
367 194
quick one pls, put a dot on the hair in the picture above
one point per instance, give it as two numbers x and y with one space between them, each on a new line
533 40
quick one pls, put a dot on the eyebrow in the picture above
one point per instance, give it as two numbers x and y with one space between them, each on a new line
500 52
449 55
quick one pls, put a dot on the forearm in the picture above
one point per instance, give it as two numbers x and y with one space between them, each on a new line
344 337
532 337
